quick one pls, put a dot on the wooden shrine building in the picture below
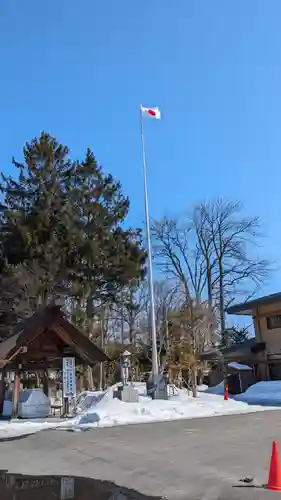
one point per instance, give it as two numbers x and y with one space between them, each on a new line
39 344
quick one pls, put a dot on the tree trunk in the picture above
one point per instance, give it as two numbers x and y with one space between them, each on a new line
15 396
221 285
180 379
131 331
2 391
209 283
88 378
200 377
102 347
122 319
221 300
210 299
194 381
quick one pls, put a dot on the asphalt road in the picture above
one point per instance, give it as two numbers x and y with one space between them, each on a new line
187 459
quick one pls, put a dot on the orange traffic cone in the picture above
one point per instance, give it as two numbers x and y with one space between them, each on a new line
274 478
225 396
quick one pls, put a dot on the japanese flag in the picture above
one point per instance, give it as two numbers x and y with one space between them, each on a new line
152 112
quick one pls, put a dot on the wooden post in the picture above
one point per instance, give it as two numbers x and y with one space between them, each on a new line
65 407
45 379
2 391
240 382
16 392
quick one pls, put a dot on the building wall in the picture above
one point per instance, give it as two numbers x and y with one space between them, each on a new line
272 336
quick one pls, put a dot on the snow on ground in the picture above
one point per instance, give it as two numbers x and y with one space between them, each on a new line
15 428
86 399
100 409
262 393
217 389
109 411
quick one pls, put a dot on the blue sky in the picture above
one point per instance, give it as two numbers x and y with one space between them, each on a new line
79 70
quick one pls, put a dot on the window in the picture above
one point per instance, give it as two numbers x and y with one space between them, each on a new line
273 322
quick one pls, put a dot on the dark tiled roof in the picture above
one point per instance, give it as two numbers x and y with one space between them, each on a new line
244 346
51 318
246 308
8 344
233 352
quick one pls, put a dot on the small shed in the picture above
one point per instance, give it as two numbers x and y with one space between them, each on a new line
39 343
218 359
246 353
239 377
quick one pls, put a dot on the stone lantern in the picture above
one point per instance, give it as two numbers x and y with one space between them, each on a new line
125 366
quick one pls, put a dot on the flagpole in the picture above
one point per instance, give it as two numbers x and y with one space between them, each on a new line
150 272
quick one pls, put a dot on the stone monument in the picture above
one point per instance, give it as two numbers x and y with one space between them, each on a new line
157 387
126 391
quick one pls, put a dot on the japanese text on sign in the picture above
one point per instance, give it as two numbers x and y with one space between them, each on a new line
69 378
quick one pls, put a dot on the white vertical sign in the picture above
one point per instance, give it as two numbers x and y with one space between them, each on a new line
67 488
69 377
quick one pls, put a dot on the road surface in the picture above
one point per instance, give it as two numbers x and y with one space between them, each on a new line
187 459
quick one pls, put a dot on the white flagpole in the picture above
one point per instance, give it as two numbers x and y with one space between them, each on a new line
150 272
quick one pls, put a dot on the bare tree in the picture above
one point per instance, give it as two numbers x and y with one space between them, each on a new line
212 254
226 241
189 331
177 256
166 297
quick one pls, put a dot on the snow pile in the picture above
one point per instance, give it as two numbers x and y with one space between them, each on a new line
87 399
217 389
202 388
33 403
15 428
110 411
262 393
7 408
